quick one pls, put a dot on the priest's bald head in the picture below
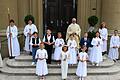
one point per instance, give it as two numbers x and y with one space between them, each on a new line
73 20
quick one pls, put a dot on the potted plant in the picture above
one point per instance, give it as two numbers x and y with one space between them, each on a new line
92 20
29 17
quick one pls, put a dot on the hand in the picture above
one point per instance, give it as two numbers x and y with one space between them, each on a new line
64 59
103 39
60 45
41 58
29 34
49 43
34 44
10 34
114 46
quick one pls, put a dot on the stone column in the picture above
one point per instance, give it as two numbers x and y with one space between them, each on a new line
83 12
111 13
40 17
23 10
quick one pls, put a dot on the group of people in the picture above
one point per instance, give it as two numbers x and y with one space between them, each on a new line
67 52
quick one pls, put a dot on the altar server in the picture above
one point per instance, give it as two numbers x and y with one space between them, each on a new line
13 44
114 45
29 29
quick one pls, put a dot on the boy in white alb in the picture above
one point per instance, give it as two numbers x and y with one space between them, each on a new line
114 45
28 31
13 44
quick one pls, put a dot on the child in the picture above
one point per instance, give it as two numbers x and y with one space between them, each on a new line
82 65
114 45
13 43
58 47
29 29
104 36
34 42
72 49
1 62
64 61
49 41
96 52
41 67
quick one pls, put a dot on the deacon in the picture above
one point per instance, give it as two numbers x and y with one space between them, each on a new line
74 29
28 31
13 44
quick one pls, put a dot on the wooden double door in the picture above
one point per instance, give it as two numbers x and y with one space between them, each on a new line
58 14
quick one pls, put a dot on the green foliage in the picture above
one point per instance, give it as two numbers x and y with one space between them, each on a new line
92 20
29 17
91 34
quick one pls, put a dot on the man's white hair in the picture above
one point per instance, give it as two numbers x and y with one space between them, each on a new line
73 19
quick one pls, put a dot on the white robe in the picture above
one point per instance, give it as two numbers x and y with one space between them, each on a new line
74 28
72 50
41 66
58 48
104 35
1 62
82 66
96 52
29 28
113 52
14 41
64 64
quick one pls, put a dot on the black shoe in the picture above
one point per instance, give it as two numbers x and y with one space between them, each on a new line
11 57
30 53
114 60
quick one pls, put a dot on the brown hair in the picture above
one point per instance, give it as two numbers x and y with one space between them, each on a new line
101 25
64 47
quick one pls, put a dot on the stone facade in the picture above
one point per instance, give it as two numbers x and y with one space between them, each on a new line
105 10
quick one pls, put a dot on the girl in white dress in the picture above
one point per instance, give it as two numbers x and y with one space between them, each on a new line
72 45
64 61
82 65
104 36
58 47
41 66
114 45
96 52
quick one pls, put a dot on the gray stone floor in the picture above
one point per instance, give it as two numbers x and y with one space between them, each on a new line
73 77
103 77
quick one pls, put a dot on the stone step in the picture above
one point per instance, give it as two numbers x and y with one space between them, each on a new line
57 71
27 64
25 57
74 77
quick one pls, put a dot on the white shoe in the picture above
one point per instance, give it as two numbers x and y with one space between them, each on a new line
33 63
